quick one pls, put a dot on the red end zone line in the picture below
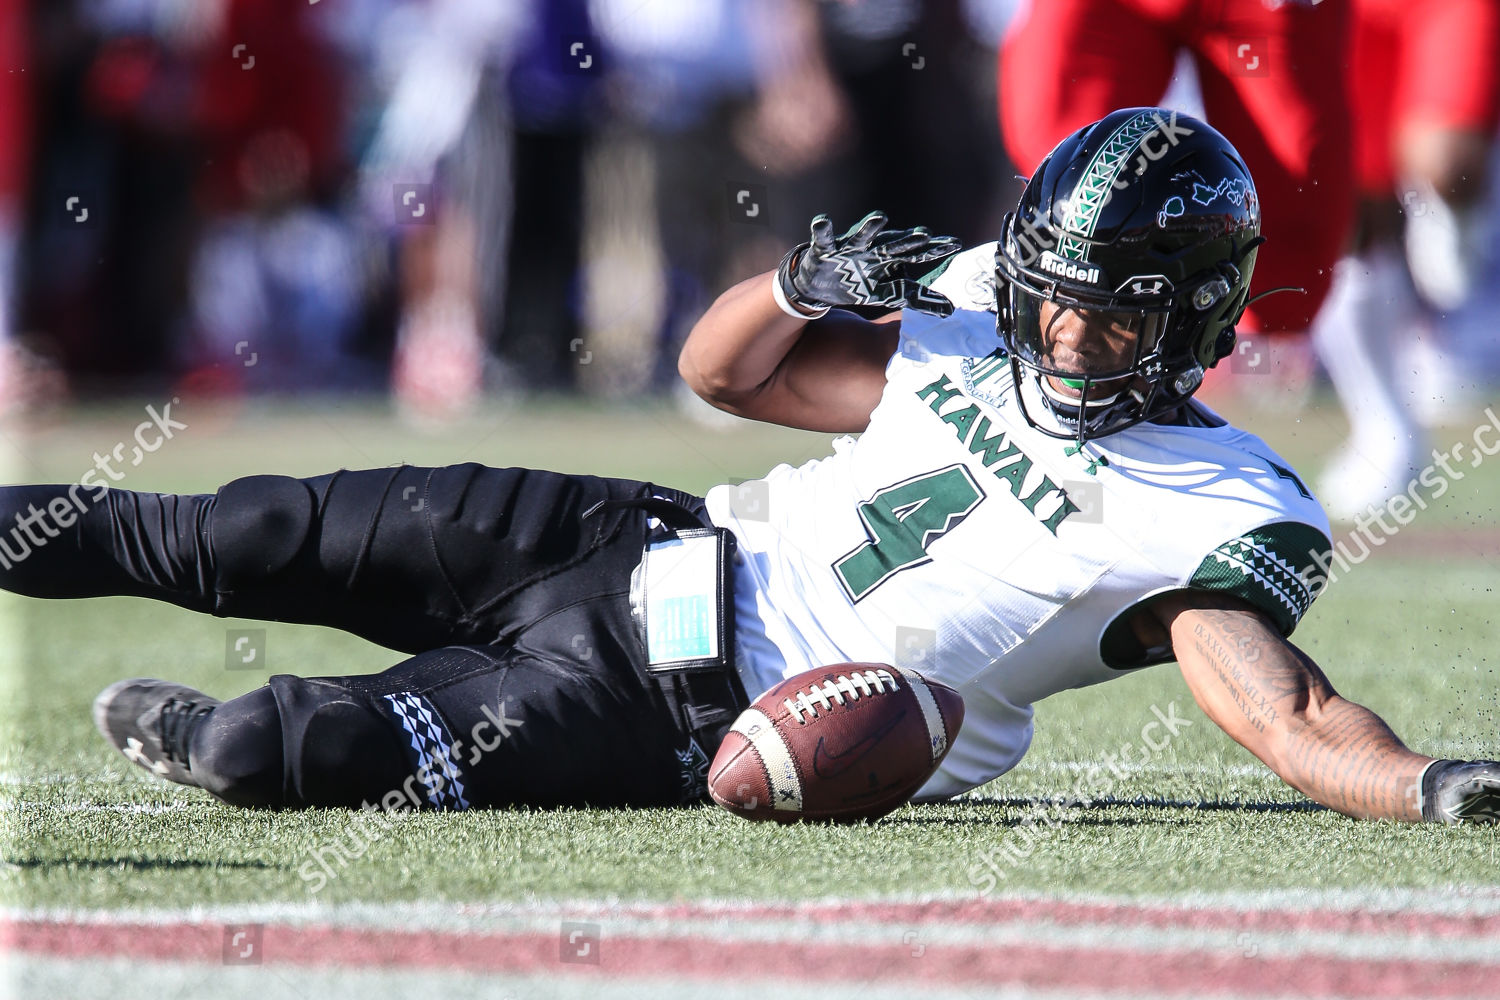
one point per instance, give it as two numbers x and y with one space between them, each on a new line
989 912
1101 970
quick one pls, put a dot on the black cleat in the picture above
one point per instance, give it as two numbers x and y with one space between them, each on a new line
151 723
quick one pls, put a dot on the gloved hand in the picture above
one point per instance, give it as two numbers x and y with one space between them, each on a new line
1461 791
865 267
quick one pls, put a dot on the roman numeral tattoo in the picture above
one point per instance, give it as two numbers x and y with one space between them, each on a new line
1338 753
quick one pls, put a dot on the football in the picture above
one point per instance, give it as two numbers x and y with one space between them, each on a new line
847 742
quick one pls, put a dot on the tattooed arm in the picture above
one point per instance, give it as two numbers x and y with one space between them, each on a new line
1272 698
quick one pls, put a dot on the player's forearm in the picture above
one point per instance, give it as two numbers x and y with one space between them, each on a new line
735 348
1348 759
1278 704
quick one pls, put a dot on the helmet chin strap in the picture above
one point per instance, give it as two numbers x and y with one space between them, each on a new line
1064 413
1049 411
1059 411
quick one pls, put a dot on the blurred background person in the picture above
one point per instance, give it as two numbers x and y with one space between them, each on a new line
1425 83
726 118
440 172
922 88
1270 75
15 163
274 286
188 163
736 121
453 195
110 222
444 198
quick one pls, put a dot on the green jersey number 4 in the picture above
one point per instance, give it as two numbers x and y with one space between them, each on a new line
902 521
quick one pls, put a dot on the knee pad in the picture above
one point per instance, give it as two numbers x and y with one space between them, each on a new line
257 527
339 749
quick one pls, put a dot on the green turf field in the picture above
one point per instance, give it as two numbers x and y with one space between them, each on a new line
1413 632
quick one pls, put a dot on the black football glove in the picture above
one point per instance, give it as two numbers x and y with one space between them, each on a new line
1461 791
866 267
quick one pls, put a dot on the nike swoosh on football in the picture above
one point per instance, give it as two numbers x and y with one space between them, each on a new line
827 764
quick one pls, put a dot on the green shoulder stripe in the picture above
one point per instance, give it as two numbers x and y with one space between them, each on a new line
1279 568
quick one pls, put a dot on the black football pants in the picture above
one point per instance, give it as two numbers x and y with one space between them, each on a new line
527 683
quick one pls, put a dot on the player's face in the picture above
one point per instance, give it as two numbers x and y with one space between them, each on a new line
1087 342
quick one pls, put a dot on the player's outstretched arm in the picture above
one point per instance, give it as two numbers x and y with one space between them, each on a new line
1275 701
770 349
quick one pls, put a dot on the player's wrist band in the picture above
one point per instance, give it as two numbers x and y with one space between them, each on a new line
785 304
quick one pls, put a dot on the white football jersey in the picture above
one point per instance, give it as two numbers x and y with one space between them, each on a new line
954 538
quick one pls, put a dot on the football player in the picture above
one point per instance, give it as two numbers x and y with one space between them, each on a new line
1425 84
1033 485
1271 73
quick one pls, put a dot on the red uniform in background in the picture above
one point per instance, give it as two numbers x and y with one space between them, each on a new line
1272 78
15 160
271 108
15 106
1424 81
1436 62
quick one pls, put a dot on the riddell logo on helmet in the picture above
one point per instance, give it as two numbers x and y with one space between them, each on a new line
1069 269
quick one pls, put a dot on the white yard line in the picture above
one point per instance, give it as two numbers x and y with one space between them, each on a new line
42 978
1137 767
1455 901
122 808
